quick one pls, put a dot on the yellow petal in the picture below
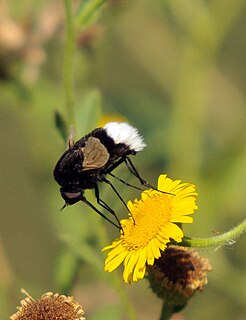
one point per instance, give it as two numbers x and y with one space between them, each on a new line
112 264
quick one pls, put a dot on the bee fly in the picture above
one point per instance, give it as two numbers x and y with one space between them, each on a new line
93 157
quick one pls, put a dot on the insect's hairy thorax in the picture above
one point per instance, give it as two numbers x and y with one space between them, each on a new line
69 171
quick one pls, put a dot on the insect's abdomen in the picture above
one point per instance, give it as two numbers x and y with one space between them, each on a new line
116 150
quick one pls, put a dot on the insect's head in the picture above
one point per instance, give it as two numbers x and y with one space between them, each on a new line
71 196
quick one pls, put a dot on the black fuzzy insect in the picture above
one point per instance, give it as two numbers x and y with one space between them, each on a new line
89 160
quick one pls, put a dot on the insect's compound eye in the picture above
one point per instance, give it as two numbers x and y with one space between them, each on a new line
71 197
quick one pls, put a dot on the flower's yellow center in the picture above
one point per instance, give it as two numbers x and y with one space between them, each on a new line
148 217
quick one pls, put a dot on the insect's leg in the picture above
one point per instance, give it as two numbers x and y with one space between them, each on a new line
112 186
126 183
101 214
115 165
104 205
131 168
63 207
119 196
134 171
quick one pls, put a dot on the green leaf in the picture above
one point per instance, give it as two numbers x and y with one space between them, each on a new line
61 126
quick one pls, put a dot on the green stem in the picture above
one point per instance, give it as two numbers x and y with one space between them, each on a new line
87 11
166 312
227 238
68 61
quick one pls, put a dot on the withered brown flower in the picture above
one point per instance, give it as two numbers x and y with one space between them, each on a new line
178 274
49 307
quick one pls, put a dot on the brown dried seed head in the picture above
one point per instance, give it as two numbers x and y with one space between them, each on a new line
50 307
178 274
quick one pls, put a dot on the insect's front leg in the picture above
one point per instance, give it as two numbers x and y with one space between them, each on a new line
104 205
83 199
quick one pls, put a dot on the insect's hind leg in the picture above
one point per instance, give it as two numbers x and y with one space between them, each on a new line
143 182
126 183
134 171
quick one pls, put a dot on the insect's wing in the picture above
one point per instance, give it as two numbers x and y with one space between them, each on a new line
95 154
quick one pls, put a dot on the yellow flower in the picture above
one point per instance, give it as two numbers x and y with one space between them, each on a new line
150 226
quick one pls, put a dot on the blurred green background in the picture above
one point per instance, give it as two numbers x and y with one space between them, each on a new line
176 70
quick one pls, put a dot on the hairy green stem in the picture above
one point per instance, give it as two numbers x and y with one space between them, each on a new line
225 239
68 61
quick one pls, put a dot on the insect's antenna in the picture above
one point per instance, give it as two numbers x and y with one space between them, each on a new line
101 214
